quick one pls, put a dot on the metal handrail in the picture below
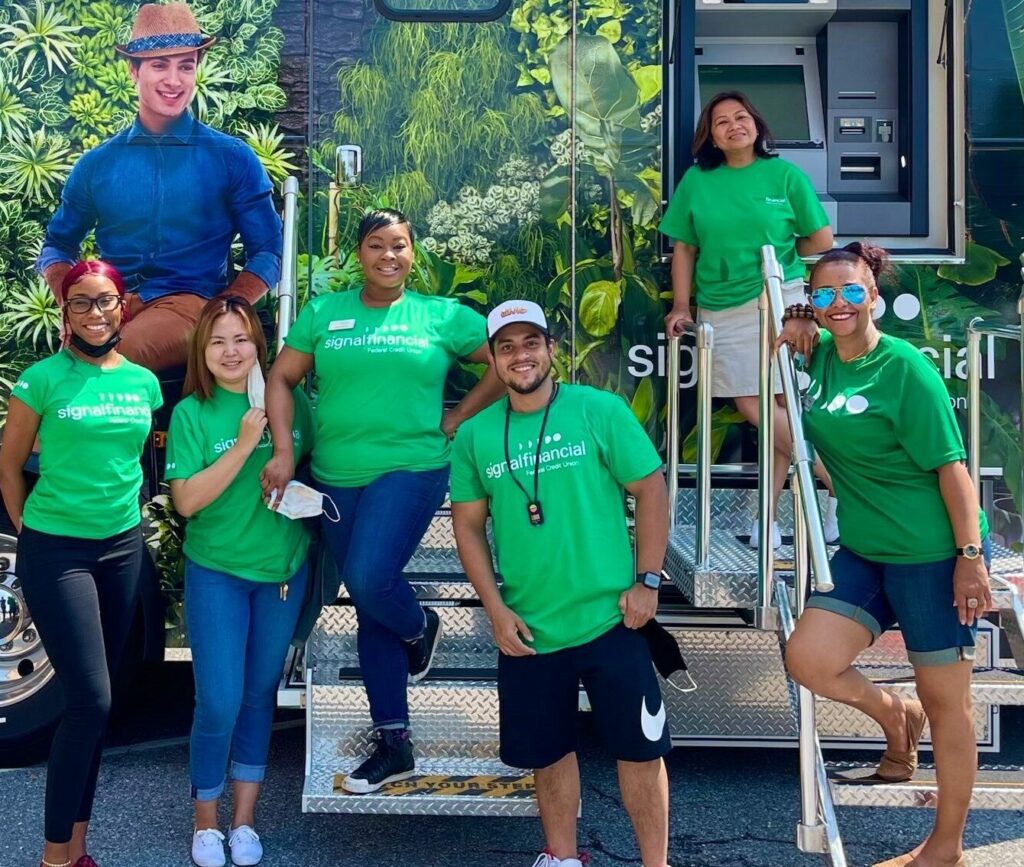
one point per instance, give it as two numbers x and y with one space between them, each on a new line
286 286
704 335
818 830
803 463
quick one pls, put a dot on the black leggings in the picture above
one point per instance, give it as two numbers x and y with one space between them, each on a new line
81 595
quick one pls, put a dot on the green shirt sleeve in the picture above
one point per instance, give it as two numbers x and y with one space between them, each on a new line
626 449
304 422
925 424
810 215
32 388
466 330
301 336
466 485
156 396
677 222
184 443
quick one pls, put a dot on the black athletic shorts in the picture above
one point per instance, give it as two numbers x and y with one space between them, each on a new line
539 701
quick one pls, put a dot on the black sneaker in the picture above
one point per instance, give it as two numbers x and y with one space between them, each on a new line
421 650
390 761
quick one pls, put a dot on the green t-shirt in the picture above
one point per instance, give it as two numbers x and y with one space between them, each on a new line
93 426
563 577
381 374
883 425
729 214
236 533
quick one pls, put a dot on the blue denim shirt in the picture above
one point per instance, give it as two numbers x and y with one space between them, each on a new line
166 209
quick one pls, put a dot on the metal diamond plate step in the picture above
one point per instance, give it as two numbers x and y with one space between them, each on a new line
1001 686
440 787
466 643
997 788
450 719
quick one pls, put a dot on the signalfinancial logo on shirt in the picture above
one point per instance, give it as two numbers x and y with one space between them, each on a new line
555 454
383 338
119 408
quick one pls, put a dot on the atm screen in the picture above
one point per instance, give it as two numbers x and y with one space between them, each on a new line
777 91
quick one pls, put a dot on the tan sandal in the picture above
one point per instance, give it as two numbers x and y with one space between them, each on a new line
898 767
909 860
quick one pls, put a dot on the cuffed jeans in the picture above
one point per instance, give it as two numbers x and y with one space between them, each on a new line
239 631
381 525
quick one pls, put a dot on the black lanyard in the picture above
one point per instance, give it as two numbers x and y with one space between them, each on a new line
533 509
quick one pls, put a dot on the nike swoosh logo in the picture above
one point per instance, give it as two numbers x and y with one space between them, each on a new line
653 725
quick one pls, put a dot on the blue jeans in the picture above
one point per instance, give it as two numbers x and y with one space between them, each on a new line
918 596
381 525
239 631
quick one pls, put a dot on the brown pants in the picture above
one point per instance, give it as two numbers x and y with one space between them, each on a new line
156 335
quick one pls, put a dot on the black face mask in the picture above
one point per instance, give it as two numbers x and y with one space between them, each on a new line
92 350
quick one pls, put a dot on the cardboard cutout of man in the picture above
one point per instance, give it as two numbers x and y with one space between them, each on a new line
167 197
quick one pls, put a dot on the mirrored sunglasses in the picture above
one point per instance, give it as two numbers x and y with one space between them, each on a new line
824 296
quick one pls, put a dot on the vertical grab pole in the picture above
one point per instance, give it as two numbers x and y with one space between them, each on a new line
764 613
810 831
705 343
289 257
804 464
974 403
672 429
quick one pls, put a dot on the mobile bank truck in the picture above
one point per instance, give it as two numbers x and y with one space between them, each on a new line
535 143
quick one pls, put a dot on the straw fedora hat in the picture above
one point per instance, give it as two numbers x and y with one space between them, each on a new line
165 30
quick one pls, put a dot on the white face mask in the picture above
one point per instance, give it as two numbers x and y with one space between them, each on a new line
256 387
302 501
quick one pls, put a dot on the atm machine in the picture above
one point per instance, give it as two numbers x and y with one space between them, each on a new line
866 96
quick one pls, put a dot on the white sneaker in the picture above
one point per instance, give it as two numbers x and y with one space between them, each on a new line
245 846
829 521
208 848
755 534
545 859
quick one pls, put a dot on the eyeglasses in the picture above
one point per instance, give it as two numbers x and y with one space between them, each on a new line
104 303
825 296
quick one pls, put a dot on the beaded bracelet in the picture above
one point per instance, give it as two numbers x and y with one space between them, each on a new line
798 311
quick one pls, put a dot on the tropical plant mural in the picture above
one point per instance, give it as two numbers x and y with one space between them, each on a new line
63 90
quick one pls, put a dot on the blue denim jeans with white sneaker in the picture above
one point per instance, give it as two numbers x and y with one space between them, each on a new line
239 631
381 525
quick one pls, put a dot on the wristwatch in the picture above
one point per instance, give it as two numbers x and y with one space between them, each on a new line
970 551
650 580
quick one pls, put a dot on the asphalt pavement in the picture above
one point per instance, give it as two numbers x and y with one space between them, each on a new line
730 808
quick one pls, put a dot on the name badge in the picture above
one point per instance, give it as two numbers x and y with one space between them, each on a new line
341 324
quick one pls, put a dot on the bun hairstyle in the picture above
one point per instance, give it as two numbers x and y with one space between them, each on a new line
857 253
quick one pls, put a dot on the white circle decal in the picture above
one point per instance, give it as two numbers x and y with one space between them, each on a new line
856 404
879 310
557 438
906 306
803 381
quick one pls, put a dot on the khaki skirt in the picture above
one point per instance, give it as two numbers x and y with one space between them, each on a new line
736 342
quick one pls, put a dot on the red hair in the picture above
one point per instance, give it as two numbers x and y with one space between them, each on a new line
83 269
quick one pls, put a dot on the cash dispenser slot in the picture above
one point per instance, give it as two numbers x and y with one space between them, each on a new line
860 167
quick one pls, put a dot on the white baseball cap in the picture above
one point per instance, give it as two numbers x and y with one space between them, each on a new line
510 312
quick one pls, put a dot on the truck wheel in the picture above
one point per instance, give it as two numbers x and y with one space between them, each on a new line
30 696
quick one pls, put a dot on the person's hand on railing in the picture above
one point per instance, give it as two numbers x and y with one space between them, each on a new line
802 335
677 320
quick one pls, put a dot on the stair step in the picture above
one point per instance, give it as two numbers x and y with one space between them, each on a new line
1001 686
998 787
440 787
450 720
729 579
466 642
